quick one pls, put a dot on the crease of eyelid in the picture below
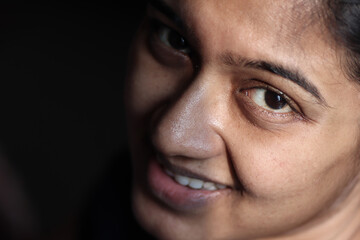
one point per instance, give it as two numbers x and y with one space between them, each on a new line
177 24
161 12
154 39
192 54
265 85
167 11
162 25
255 120
235 60
323 105
155 15
306 118
289 101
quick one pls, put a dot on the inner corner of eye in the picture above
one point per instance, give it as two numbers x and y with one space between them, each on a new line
243 92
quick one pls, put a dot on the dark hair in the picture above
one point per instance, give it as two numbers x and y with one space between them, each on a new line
343 18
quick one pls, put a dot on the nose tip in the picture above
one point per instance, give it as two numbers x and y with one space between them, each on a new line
185 127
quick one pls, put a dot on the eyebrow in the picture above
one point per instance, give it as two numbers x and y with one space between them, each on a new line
162 7
294 76
239 61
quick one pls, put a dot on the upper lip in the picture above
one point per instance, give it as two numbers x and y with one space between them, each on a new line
183 171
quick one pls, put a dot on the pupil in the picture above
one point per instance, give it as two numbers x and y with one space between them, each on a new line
176 41
274 100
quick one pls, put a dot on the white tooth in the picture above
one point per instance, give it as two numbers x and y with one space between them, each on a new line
220 186
168 172
196 183
209 186
182 180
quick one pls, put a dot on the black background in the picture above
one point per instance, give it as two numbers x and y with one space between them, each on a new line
62 66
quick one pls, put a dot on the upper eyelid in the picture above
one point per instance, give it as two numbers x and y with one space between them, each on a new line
292 103
179 23
156 23
161 7
289 73
258 115
179 26
158 17
266 85
286 97
159 23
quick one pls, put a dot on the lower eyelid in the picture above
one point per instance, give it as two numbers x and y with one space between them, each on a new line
160 29
260 100
154 29
257 113
163 53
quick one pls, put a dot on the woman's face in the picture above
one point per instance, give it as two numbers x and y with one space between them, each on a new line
246 95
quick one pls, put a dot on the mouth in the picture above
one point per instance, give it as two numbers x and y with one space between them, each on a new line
189 179
181 189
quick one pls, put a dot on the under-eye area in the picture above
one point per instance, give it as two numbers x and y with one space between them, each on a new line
166 44
265 103
261 139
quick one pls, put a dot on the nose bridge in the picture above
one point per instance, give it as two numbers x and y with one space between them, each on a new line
188 126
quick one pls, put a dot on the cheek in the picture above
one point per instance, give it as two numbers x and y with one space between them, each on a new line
281 165
150 83
144 84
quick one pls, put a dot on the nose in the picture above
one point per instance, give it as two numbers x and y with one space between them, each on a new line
189 126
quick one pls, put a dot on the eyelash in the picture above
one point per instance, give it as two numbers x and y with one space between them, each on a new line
158 29
161 31
270 115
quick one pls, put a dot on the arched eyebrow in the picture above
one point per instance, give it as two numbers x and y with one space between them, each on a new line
162 7
232 59
293 75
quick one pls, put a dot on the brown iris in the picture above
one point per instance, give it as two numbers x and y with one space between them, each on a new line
274 100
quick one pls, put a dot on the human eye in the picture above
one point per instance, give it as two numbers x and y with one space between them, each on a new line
269 100
169 37
172 38
270 104
167 45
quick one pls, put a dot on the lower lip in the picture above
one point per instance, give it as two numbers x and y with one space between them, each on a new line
175 195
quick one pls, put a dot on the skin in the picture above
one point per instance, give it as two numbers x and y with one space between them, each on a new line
291 175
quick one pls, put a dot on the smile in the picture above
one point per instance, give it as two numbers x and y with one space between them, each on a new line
194 183
180 188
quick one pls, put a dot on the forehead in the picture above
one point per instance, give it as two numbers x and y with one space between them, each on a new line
289 33
281 16
275 24
276 30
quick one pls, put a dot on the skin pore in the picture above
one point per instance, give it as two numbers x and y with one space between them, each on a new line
240 93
